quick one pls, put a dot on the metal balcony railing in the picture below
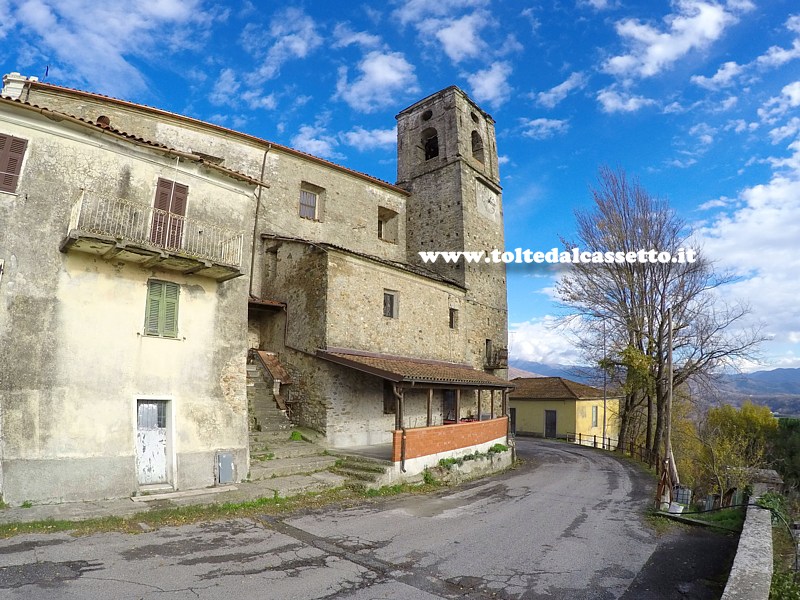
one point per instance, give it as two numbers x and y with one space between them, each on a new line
151 227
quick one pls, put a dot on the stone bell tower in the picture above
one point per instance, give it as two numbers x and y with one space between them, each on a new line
447 160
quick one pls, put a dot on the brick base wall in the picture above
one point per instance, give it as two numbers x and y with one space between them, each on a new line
444 438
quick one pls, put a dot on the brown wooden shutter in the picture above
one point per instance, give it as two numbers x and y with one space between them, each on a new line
171 199
12 151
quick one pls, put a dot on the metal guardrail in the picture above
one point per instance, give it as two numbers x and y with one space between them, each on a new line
607 443
148 226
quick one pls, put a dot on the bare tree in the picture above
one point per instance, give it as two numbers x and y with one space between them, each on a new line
631 302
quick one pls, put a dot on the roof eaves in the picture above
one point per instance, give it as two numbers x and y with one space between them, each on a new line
220 128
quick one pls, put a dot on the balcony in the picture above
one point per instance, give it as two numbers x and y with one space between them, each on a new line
119 229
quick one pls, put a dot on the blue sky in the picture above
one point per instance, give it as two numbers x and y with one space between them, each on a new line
698 99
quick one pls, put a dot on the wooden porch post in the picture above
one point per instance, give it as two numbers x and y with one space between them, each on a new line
458 405
492 415
480 404
398 406
430 407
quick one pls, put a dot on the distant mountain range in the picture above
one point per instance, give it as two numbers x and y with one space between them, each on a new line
779 388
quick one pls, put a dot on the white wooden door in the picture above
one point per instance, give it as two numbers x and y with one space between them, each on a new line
151 441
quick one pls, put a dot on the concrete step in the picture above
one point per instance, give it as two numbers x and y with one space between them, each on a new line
289 466
356 475
363 460
362 466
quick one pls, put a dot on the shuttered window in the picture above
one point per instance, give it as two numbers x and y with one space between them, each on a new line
12 150
161 313
308 204
169 210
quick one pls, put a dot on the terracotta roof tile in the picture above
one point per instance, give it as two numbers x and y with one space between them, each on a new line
552 388
411 370
274 366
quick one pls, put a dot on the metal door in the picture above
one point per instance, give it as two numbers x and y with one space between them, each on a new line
151 441
512 414
549 423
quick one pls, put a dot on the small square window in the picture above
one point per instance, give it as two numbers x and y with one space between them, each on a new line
390 304
453 318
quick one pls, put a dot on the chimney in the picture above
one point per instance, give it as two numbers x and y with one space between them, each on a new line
14 84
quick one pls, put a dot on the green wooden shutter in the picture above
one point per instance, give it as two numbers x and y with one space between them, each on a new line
155 295
170 328
12 151
161 313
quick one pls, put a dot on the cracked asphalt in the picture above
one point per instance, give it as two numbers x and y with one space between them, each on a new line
567 524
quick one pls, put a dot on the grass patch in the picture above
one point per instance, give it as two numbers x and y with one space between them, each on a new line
296 436
659 523
727 518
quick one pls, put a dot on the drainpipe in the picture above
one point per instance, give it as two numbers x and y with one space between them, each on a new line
255 221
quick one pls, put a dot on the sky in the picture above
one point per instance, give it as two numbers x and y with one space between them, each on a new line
698 99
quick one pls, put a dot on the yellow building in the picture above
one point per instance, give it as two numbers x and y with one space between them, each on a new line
555 407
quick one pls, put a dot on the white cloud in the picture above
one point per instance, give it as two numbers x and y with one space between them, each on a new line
613 101
343 36
716 203
544 340
291 34
369 139
226 88
541 129
790 129
724 77
757 239
694 26
777 56
491 85
556 94
383 77
777 106
413 11
94 43
314 140
460 37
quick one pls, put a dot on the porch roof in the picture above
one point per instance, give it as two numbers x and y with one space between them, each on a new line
414 371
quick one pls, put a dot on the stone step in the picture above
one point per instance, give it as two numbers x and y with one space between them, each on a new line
353 459
357 475
289 466
362 466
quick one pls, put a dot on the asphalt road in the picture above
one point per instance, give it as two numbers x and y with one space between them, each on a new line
567 524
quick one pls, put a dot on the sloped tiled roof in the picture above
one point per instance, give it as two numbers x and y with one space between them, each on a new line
120 134
552 388
213 126
412 370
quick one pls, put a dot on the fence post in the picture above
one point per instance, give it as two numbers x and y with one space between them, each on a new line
580 441
595 440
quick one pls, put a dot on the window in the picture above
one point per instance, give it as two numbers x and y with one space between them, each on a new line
489 352
390 304
311 201
453 318
389 400
477 146
161 312
308 204
594 416
387 225
12 151
430 142
169 212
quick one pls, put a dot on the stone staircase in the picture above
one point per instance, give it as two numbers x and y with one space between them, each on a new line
363 473
272 451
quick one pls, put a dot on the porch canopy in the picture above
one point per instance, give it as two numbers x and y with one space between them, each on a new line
412 373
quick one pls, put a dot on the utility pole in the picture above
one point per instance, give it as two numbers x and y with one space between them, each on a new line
604 386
